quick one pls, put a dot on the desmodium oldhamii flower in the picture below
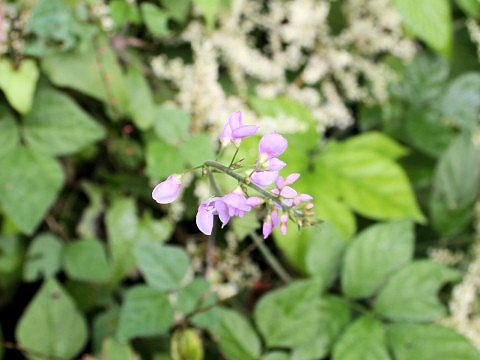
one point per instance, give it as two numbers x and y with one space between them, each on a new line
167 191
234 131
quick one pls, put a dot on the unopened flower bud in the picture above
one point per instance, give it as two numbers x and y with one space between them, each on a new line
186 344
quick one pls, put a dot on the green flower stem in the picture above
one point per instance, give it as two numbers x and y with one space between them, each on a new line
270 258
222 168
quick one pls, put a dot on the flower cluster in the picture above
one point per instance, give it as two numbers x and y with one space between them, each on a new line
282 198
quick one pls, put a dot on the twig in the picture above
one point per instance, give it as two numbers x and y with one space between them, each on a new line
13 346
271 259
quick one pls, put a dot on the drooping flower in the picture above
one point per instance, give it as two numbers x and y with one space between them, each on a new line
270 222
264 178
204 218
234 131
283 223
167 191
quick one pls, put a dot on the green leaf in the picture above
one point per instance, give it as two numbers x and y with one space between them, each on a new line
276 355
171 124
159 157
102 77
141 105
378 143
113 349
244 226
177 9
156 19
430 20
145 312
427 132
57 126
364 339
371 184
122 12
280 314
86 260
429 342
374 254
423 80
469 7
411 293
324 252
87 227
164 266
209 9
154 230
29 182
104 325
10 253
18 83
43 258
460 102
455 186
197 149
236 337
8 131
121 222
51 324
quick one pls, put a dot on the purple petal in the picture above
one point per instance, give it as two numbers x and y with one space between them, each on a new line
226 135
276 164
237 201
244 131
264 178
204 220
272 144
222 210
289 202
284 218
288 192
283 228
291 178
254 201
280 182
274 218
267 229
305 197
276 191
167 191
235 120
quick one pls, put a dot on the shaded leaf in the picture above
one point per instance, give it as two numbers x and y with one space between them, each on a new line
43 258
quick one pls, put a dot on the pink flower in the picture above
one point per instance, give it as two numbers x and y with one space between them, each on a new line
234 131
264 178
272 145
270 222
204 218
167 191
283 222
302 198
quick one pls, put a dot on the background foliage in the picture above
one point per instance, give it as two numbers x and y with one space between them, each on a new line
101 100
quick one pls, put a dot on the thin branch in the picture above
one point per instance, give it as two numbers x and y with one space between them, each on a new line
271 259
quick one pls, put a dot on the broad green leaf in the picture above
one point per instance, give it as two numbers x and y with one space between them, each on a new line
123 11
378 143
43 258
430 20
324 252
10 253
121 222
424 79
427 132
155 19
197 149
411 293
86 260
159 155
29 183
58 126
198 294
209 9
145 312
455 186
236 337
141 105
294 244
89 296
51 324
154 230
429 342
8 131
101 75
374 254
276 355
177 9
18 83
460 102
334 314
163 266
364 339
104 325
469 7
280 313
113 349
330 208
171 124
371 184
